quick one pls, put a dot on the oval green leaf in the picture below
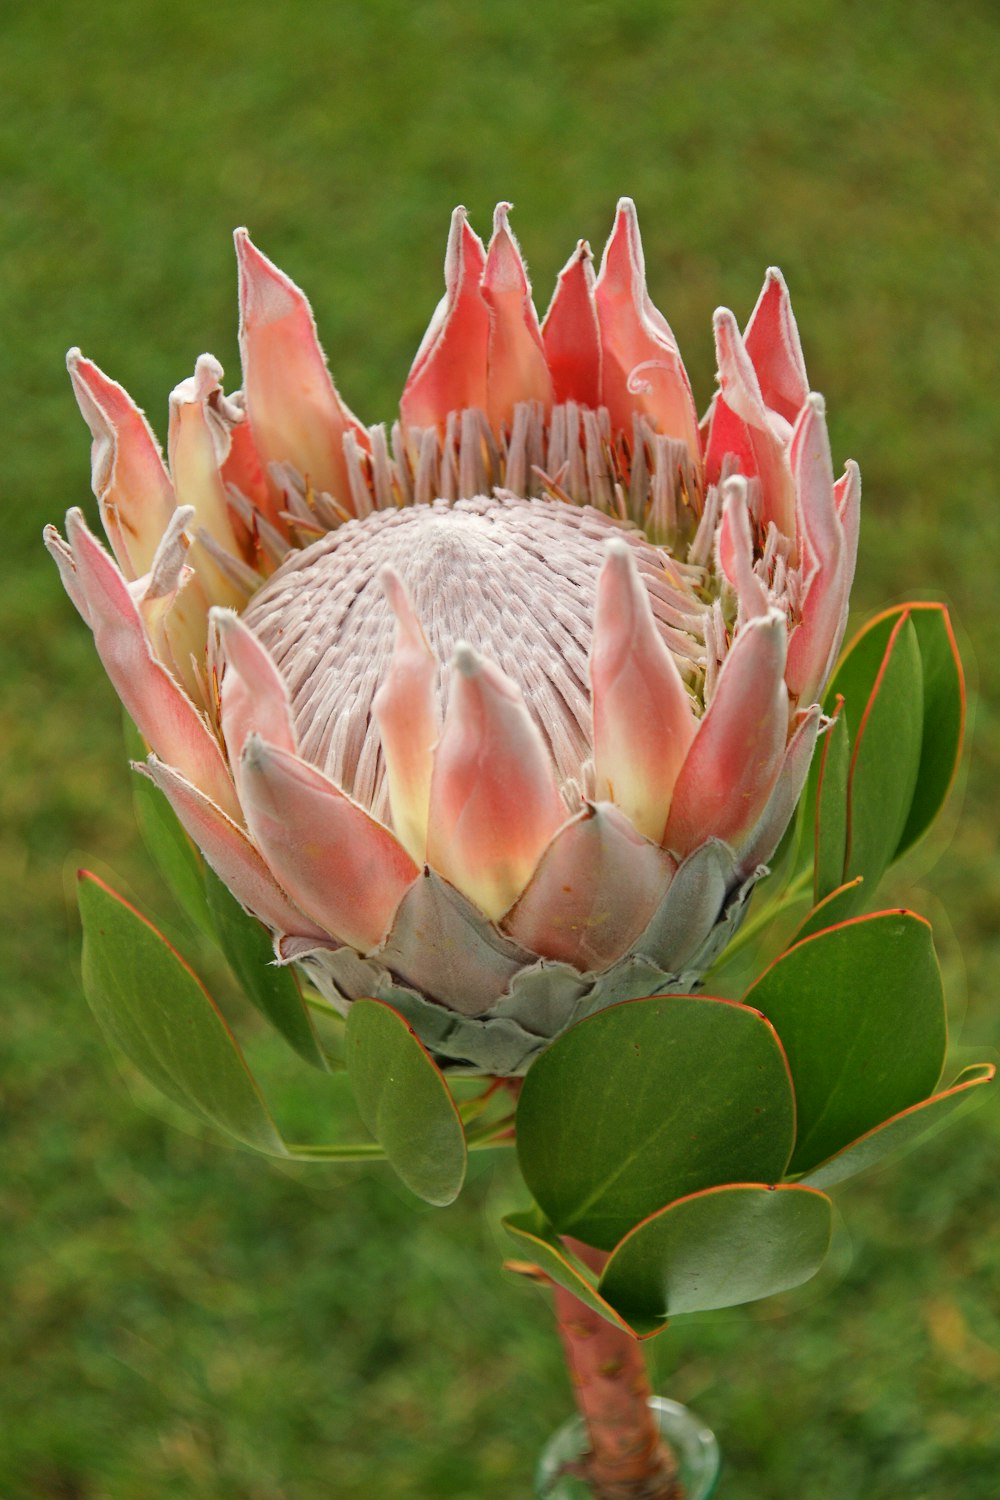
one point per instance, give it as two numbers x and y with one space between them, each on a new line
905 1129
885 757
403 1099
646 1102
860 1012
944 718
718 1248
154 1008
942 696
273 990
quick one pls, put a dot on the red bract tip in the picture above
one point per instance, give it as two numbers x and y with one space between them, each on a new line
293 407
515 363
772 342
132 486
571 333
641 368
449 371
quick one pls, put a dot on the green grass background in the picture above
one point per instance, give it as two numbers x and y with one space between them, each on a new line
182 1320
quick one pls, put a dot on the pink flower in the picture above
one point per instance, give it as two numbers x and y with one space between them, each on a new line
498 715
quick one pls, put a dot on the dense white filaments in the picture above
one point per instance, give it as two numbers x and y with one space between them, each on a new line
517 577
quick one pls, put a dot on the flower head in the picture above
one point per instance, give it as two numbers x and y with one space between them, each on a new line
497 715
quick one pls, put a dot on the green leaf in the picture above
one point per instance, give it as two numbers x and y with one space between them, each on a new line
944 718
833 764
859 665
718 1248
274 991
534 1236
155 1009
646 1102
405 1102
906 1128
846 901
176 858
936 743
886 755
860 1013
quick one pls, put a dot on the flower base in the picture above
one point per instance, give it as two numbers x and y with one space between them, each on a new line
694 1445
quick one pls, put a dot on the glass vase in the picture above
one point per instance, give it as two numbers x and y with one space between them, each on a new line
694 1446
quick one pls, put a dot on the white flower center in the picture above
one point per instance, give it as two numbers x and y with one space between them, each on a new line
515 577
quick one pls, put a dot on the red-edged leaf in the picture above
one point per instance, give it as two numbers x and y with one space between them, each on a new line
944 718
885 755
153 1007
860 1012
719 1248
404 1101
646 1102
841 904
905 1129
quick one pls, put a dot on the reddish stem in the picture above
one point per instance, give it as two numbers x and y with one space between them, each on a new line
628 1460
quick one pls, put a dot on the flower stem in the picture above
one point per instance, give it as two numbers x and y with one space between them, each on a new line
627 1458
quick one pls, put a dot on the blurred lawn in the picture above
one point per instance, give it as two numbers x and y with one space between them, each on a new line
182 1320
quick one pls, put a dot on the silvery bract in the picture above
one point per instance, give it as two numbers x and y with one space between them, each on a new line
497 716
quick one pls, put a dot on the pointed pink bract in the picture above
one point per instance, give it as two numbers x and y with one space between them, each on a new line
761 449
736 754
161 710
132 486
295 413
827 565
643 718
494 799
515 362
571 333
848 495
337 863
254 699
449 371
595 888
229 852
641 366
772 342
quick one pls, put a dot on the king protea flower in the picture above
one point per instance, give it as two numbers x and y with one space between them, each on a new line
497 716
